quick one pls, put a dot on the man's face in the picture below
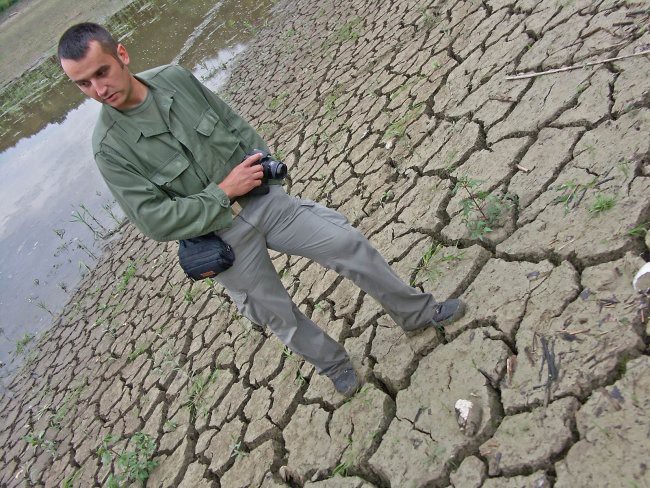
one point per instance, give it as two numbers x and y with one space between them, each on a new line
103 77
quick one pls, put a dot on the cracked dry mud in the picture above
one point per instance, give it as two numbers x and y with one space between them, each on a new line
379 108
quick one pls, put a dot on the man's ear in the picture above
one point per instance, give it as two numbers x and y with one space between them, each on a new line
123 54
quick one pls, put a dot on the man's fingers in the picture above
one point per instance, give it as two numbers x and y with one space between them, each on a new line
250 160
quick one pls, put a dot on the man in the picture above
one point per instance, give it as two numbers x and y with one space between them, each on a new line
174 156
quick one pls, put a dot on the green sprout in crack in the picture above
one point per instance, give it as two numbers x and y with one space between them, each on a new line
277 101
300 379
21 344
342 468
127 276
130 466
38 440
347 32
601 204
432 261
481 210
191 293
138 351
639 230
236 448
198 387
397 129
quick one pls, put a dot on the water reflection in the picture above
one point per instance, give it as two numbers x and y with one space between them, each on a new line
45 177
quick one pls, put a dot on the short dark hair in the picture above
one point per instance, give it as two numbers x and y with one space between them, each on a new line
75 41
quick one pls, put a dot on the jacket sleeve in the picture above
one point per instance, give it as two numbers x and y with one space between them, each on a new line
247 132
154 212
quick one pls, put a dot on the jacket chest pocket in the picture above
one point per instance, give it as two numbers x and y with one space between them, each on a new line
222 145
176 177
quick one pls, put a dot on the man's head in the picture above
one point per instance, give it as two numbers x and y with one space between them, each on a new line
99 66
74 42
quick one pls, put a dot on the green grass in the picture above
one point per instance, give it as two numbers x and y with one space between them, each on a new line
132 466
601 204
21 344
432 261
198 385
5 4
397 129
127 276
639 230
481 210
277 101
138 351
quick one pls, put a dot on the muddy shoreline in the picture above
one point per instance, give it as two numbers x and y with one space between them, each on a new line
30 30
380 112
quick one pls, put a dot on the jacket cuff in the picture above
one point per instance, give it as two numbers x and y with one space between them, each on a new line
218 194
225 216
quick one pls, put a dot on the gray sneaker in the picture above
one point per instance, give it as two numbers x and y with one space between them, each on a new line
447 312
346 382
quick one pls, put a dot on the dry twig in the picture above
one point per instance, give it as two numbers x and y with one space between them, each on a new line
575 66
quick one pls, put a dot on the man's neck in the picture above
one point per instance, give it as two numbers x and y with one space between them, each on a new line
138 93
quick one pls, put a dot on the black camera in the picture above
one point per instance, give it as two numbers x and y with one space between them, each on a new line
273 170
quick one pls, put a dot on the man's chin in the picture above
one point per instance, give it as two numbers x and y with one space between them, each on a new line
113 101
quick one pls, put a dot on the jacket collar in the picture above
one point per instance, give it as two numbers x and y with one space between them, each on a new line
134 125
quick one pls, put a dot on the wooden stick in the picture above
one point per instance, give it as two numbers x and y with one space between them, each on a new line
575 66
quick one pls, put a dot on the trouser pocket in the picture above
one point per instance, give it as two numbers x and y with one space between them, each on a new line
325 213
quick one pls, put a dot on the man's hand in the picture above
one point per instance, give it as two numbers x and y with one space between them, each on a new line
243 177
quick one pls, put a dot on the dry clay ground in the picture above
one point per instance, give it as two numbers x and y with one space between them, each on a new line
380 108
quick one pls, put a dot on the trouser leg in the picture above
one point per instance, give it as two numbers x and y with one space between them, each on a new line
255 287
308 229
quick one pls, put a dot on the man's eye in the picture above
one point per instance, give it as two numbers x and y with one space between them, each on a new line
82 84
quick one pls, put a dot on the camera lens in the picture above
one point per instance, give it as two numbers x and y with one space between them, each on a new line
276 169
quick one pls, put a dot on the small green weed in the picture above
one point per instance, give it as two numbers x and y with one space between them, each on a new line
5 4
481 210
342 468
69 403
331 99
350 31
300 379
601 204
127 276
639 230
278 100
190 294
397 129
69 482
38 440
199 384
138 351
131 466
624 167
21 344
387 196
432 261
236 449
429 19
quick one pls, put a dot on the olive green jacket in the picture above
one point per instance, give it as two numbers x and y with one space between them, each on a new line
166 192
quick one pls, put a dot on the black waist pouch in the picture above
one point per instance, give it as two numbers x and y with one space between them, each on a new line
204 256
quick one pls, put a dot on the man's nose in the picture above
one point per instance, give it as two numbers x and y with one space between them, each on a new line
99 87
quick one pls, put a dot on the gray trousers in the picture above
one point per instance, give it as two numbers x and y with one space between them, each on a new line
301 227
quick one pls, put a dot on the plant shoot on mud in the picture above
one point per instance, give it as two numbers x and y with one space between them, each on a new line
481 210
433 259
601 204
129 466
